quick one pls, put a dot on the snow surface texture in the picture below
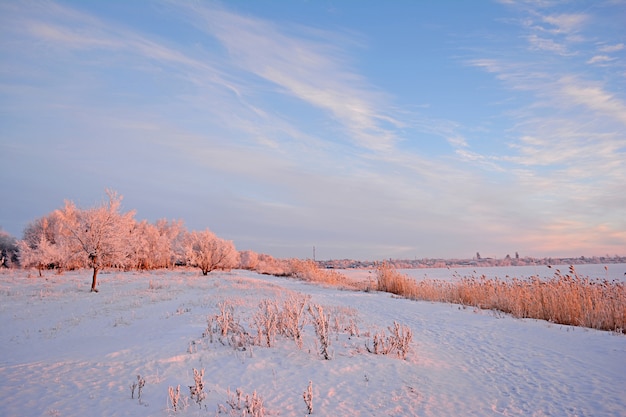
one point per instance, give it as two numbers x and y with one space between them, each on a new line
67 352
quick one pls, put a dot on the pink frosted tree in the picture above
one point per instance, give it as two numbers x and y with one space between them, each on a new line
39 248
41 255
208 252
248 260
100 236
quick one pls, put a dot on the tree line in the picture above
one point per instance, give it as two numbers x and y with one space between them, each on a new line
104 236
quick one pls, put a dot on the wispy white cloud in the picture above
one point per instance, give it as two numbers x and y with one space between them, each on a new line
311 70
594 98
565 23
612 48
546 44
600 59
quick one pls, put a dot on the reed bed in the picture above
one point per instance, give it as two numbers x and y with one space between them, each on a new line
568 299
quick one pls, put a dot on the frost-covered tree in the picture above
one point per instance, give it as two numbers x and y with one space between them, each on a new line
100 236
248 260
8 249
208 252
145 248
38 249
156 245
172 237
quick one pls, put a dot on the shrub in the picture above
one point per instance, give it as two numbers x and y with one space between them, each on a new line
266 321
243 405
321 323
292 318
197 390
398 342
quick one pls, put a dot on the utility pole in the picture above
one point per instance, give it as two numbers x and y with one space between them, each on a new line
313 253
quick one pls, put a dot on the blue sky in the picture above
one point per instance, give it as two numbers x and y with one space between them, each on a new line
367 129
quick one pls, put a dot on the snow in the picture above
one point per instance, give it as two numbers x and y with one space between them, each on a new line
68 352
609 272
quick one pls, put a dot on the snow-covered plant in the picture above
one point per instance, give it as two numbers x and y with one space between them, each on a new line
398 342
141 382
225 319
308 398
292 318
321 324
174 397
197 390
266 321
244 406
254 405
227 328
40 254
138 385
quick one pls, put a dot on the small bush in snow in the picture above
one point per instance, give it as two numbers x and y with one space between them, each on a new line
266 321
197 390
292 318
321 323
398 342
243 405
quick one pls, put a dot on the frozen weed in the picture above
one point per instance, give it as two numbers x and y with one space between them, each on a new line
308 398
398 342
243 405
292 318
266 321
225 320
197 390
137 385
321 324
227 328
174 398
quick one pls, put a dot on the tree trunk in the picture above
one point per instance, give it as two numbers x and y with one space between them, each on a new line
94 280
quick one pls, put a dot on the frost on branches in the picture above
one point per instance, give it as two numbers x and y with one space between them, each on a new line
100 236
208 252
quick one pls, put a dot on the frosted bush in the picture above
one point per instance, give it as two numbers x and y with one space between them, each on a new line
266 321
321 324
398 342
292 318
243 405
197 390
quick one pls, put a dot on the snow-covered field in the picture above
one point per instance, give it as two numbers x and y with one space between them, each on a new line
68 352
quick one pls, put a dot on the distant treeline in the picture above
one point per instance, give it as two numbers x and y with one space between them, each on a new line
474 262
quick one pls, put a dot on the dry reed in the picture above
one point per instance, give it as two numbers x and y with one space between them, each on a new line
564 299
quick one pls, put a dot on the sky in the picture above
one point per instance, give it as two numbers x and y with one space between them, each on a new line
365 129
